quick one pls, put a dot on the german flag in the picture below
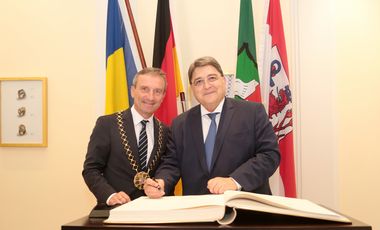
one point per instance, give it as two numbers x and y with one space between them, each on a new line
165 57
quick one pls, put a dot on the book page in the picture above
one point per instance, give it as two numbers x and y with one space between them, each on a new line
173 202
280 205
170 209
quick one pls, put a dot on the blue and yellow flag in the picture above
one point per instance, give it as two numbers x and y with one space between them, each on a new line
121 64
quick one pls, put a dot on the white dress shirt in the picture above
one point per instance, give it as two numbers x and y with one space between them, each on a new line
206 121
137 118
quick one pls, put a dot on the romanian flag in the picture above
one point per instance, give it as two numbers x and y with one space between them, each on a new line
247 85
121 57
277 97
165 57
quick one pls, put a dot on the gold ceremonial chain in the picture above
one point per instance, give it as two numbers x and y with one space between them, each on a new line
140 177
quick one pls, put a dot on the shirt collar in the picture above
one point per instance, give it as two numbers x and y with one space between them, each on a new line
218 109
137 118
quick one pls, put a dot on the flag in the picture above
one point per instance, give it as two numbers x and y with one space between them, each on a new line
165 57
277 96
247 84
122 61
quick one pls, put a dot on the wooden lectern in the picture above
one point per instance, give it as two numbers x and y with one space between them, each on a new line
245 220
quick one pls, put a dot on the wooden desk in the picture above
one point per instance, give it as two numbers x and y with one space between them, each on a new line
244 220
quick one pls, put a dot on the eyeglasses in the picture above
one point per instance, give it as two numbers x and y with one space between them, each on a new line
200 82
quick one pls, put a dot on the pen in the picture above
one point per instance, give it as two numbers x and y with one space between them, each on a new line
158 185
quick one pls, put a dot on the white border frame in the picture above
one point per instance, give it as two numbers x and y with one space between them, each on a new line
35 118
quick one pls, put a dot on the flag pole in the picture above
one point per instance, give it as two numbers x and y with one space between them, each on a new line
183 101
135 34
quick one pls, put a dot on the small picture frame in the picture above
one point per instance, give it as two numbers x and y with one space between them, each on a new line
23 112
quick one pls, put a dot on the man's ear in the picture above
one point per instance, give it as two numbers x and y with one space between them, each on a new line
133 91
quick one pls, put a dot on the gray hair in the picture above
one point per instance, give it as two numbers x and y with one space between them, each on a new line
152 71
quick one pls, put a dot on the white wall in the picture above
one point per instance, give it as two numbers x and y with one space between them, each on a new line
42 188
358 103
315 72
333 70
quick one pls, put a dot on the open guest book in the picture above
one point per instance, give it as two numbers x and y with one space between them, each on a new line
210 208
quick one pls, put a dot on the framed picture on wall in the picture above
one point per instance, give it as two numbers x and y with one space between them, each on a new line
23 112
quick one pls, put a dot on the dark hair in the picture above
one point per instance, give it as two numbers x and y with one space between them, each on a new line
204 61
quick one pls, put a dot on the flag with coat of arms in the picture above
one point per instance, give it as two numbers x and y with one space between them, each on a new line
277 97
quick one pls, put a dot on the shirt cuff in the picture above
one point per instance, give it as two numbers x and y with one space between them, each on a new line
237 184
109 198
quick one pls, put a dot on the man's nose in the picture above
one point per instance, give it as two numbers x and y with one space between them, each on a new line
206 84
151 95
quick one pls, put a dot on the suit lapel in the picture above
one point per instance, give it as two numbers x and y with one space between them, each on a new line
155 145
195 124
130 131
223 127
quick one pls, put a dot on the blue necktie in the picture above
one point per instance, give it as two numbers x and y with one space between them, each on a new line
210 139
143 145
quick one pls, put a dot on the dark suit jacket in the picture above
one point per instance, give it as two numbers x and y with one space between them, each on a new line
245 148
106 168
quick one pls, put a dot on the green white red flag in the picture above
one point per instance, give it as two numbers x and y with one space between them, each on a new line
247 84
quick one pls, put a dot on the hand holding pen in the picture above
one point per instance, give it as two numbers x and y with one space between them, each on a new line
154 188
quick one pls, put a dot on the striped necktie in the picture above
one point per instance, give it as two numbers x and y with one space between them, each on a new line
143 146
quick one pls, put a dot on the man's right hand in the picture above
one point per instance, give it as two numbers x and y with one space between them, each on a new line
154 188
118 198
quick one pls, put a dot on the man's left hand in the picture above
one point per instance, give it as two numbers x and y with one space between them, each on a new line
219 185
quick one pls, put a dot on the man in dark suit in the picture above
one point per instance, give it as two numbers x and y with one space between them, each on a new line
126 147
243 155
